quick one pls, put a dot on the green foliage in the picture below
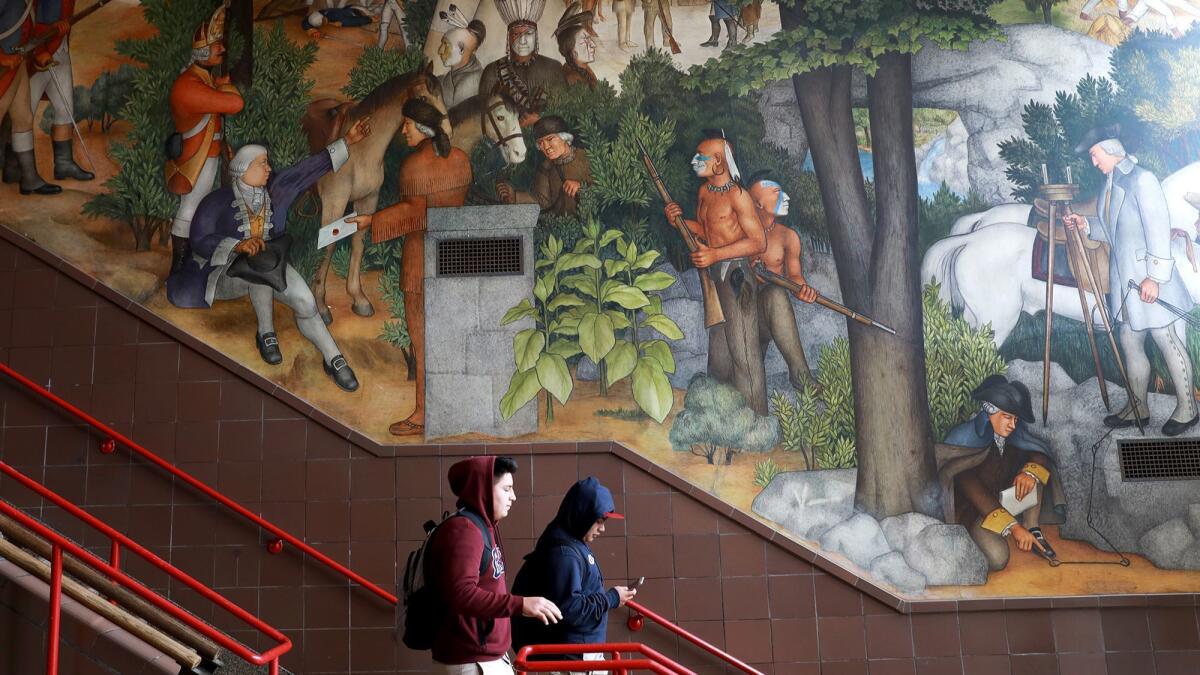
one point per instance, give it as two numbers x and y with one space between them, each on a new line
137 194
715 418
840 455
418 17
629 414
376 66
844 33
1043 7
765 472
936 215
957 359
1153 93
794 422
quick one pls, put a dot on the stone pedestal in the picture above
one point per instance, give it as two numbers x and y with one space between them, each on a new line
468 354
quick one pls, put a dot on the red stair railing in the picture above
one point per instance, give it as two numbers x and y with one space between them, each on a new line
651 661
638 619
113 571
114 438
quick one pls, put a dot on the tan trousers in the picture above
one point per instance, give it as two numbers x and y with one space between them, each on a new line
15 102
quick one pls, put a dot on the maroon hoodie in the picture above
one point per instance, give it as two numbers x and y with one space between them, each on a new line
477 606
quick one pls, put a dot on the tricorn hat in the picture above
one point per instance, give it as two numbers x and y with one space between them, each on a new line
1011 397
1096 135
269 267
550 124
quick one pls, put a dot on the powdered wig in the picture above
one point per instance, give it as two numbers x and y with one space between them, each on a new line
1113 146
243 157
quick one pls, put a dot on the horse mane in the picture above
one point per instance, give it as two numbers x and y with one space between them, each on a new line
385 94
477 105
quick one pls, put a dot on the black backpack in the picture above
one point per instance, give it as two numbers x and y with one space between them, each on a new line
422 608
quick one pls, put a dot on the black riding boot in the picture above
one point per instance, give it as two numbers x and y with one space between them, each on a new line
64 163
714 39
31 182
732 28
12 167
181 248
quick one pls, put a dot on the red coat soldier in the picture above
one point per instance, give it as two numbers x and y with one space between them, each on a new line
198 100
16 29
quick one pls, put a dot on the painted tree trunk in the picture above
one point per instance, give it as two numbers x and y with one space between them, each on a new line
877 272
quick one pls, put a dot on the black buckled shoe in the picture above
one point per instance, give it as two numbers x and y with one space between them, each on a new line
1118 422
1173 428
1047 551
342 374
268 348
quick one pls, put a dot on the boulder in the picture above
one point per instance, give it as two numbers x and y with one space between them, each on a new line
1189 559
1030 372
902 529
946 556
807 503
1165 544
891 568
858 538
950 166
1193 519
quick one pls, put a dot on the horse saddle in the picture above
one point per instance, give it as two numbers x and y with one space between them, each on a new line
268 268
1067 268
323 121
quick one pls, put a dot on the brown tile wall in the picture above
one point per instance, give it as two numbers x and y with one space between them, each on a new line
713 571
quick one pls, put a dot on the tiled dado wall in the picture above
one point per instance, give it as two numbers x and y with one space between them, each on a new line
715 572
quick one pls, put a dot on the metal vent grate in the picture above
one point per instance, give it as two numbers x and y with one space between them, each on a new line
1159 458
479 257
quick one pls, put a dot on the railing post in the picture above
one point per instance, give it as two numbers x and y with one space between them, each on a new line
616 656
55 610
274 668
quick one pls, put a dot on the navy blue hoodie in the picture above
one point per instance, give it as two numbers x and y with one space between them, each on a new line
562 569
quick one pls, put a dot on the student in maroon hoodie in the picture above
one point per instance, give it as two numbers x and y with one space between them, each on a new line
476 631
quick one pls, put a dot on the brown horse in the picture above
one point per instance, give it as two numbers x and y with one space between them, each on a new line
359 180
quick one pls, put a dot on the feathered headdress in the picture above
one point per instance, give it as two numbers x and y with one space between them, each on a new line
572 17
521 11
734 173
454 17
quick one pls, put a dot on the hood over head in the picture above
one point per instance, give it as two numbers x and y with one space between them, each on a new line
471 481
585 503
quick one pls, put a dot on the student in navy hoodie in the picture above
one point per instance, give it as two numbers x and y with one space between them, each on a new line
563 569
475 633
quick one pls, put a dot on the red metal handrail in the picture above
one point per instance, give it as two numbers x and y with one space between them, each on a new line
114 437
653 661
636 620
113 572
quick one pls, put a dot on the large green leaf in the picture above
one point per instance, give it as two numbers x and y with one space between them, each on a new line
564 347
653 281
596 335
609 237
521 390
614 267
663 324
543 286
554 376
527 346
652 390
564 300
620 361
584 283
523 310
620 321
660 351
625 295
645 260
572 261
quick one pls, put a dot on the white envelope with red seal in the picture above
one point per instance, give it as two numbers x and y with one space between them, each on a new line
336 231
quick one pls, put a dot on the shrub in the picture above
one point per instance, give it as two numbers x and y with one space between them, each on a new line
936 215
715 419
765 472
376 66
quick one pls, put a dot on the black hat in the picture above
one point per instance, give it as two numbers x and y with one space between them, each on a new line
1095 135
269 267
550 124
1011 397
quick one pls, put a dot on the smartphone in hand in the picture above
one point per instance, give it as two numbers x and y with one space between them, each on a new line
639 582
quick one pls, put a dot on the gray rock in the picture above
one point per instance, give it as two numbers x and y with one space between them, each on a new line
689 315
891 568
1165 544
1193 519
1189 559
858 538
946 555
902 529
586 370
679 289
808 503
1013 72
1030 372
686 367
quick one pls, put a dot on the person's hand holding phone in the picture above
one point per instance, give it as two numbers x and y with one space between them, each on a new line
628 592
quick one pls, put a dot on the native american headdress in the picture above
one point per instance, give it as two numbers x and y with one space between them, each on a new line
456 19
714 134
212 31
572 17
521 11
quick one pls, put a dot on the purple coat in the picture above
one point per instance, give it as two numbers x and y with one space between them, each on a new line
217 221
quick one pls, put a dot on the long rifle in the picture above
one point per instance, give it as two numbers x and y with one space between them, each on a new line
43 39
712 304
662 16
773 278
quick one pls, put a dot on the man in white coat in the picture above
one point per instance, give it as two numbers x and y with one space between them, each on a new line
1133 218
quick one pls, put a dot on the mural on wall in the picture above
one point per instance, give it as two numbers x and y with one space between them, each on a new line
891 276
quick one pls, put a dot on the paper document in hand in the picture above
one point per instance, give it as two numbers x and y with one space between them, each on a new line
1008 499
336 231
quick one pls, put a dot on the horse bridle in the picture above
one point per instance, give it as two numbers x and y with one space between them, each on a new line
500 141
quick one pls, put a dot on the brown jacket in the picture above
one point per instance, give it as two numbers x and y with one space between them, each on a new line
547 189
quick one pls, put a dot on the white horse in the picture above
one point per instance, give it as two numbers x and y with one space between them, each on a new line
984 265
494 118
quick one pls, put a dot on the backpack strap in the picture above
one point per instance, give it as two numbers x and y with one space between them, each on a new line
485 560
